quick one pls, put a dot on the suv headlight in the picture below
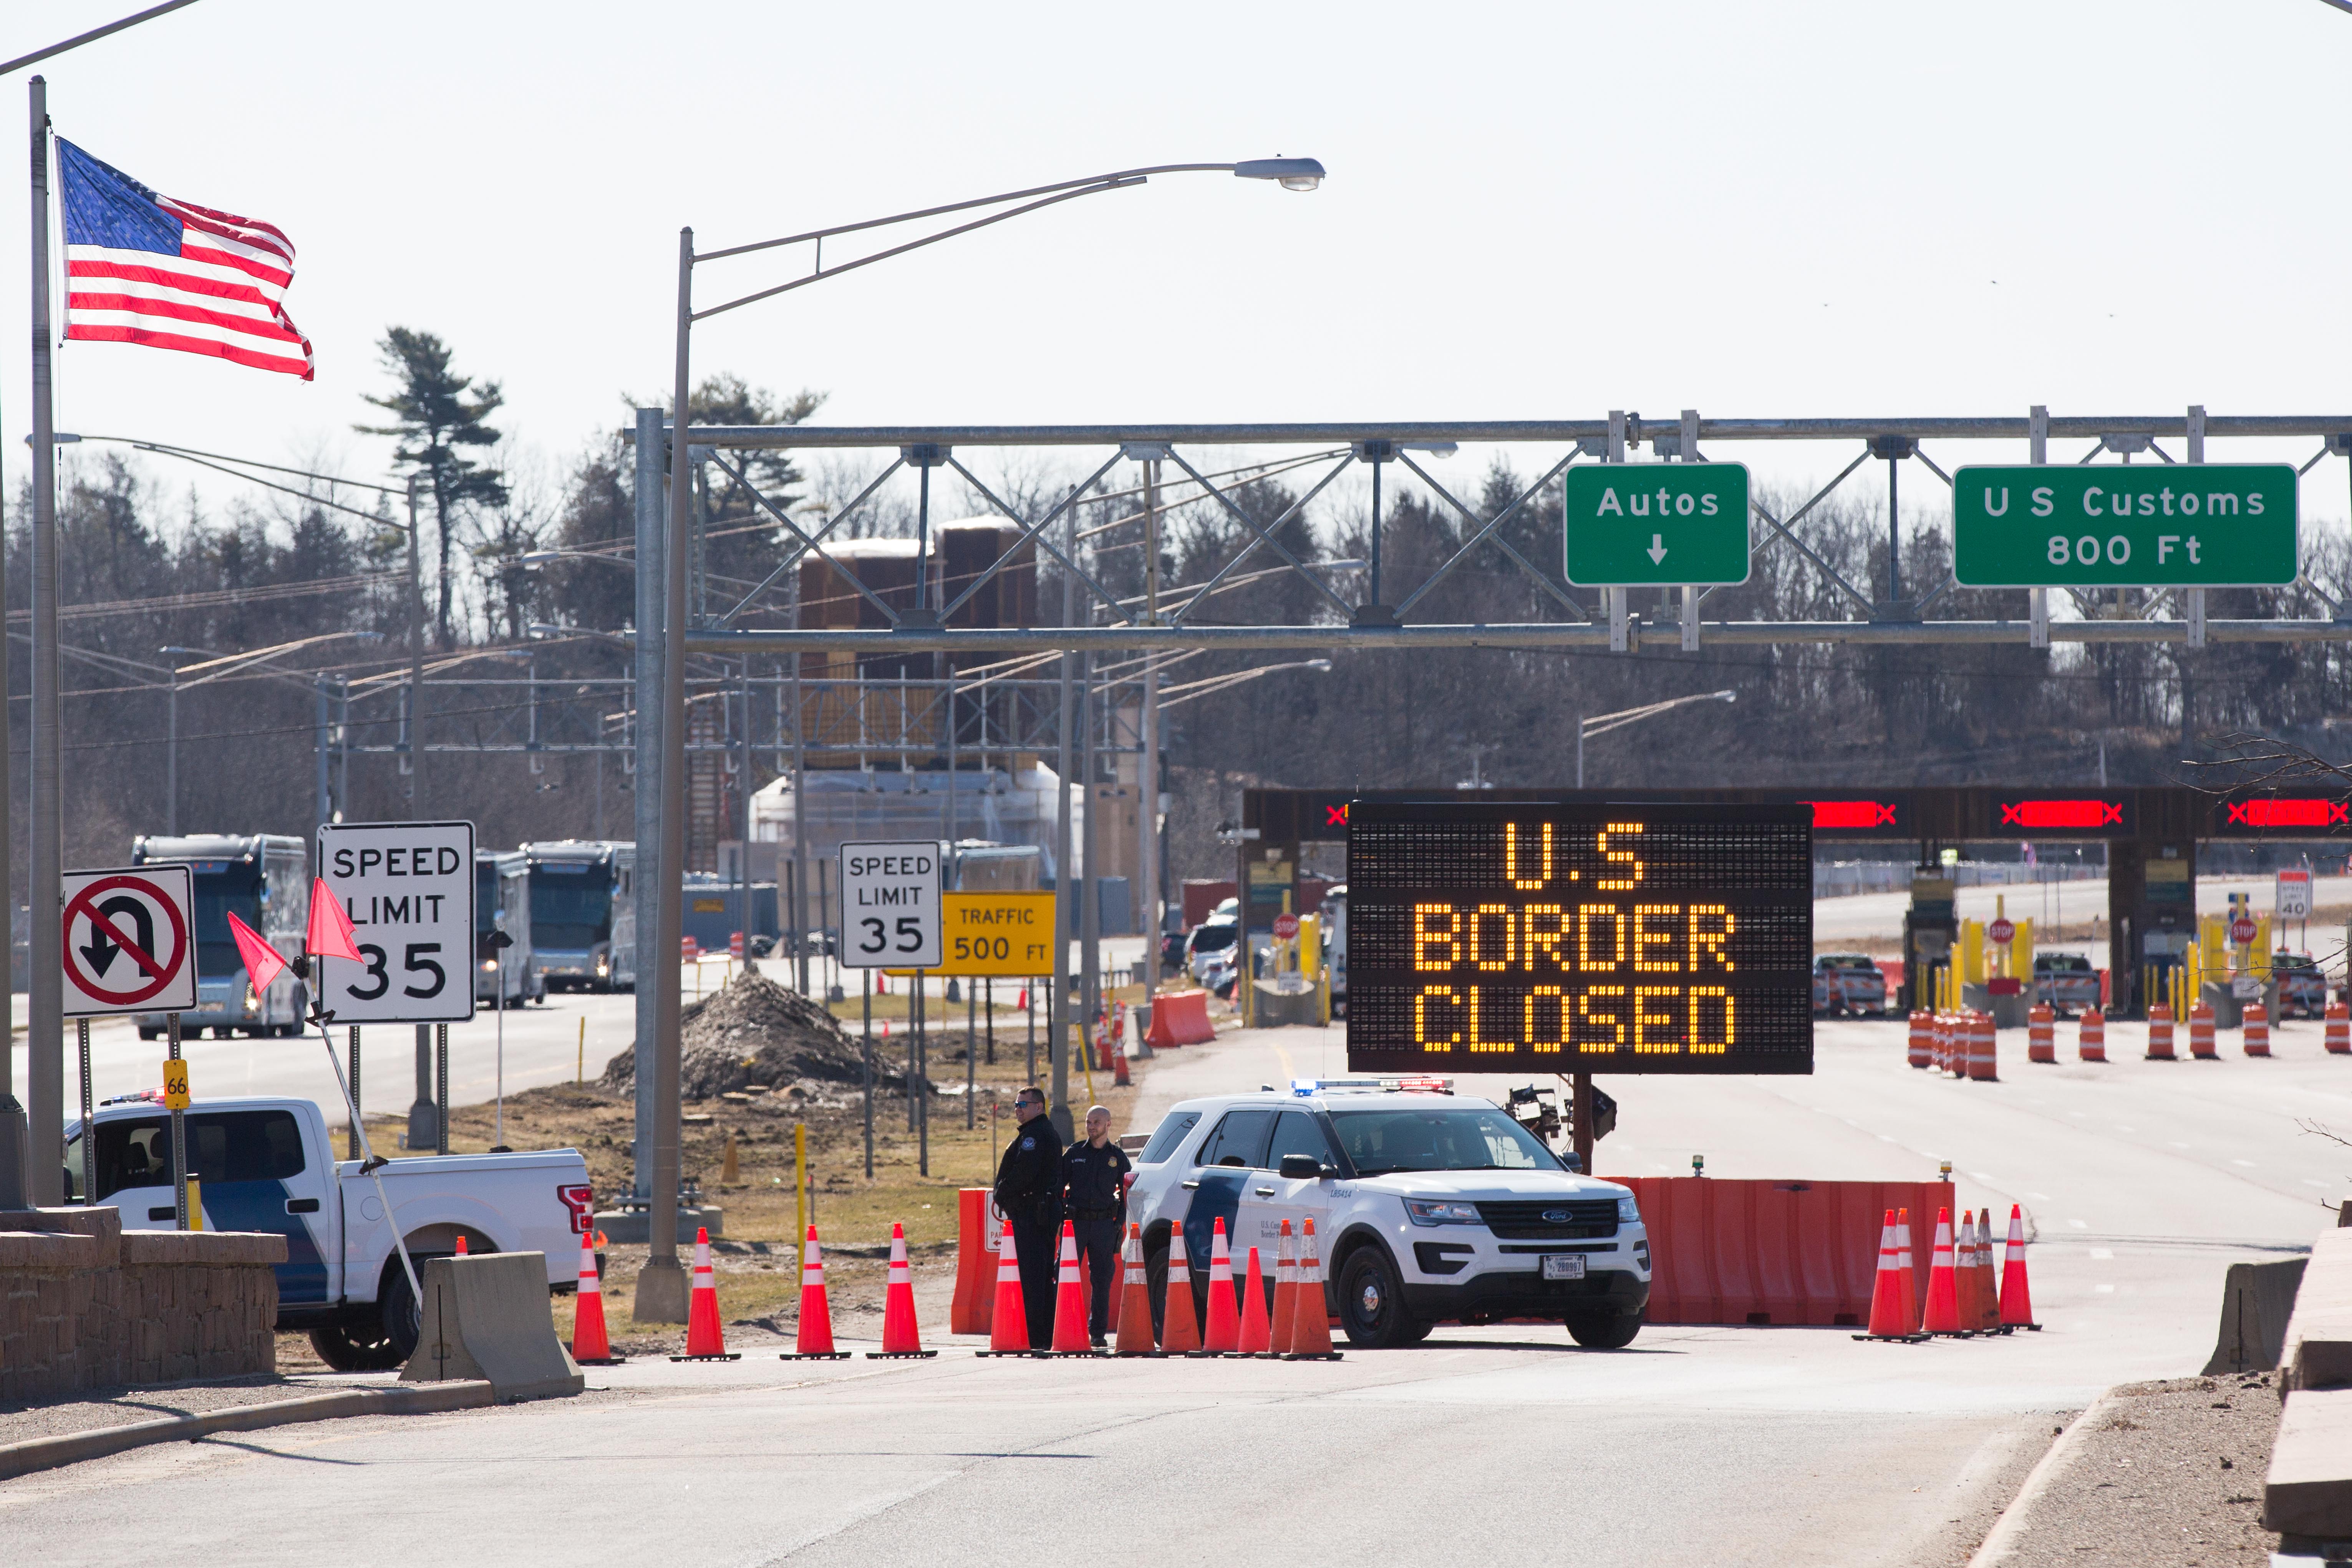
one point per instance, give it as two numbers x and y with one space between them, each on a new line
1426 1211
1628 1211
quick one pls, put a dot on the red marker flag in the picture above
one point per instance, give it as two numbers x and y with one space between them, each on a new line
262 962
330 934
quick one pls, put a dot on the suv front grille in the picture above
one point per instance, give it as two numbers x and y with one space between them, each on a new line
1585 1219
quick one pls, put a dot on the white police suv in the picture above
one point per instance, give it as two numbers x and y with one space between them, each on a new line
1428 1208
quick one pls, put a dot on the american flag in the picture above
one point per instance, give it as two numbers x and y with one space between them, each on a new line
145 268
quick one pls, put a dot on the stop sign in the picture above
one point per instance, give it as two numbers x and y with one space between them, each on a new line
2001 929
1285 926
2242 929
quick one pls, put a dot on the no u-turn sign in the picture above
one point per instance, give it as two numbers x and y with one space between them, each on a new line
130 942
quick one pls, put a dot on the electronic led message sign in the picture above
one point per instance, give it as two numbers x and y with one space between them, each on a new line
1555 938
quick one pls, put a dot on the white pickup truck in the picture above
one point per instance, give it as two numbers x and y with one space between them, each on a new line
267 1163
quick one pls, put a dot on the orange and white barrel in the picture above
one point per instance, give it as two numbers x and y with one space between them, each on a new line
2041 1033
2160 1034
1923 1040
2338 1026
2091 1036
1983 1065
2201 1032
2258 1029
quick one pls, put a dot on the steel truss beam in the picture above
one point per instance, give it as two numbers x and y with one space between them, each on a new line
2124 435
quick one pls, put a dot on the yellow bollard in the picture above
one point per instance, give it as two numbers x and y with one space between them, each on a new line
195 1203
800 1188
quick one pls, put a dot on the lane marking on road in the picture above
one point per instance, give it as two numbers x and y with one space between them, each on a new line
2080 1225
2102 1252
2249 1164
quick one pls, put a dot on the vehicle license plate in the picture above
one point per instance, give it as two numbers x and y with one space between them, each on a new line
1563 1266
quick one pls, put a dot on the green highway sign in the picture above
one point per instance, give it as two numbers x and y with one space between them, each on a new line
1656 525
2204 525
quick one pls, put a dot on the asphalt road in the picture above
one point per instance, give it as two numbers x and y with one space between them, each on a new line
1695 1446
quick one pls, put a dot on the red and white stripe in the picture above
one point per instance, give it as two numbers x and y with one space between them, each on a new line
222 296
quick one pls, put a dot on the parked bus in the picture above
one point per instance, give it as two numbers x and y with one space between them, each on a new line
502 903
264 880
584 924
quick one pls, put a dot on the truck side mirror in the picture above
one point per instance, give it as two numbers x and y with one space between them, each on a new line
1301 1168
1573 1161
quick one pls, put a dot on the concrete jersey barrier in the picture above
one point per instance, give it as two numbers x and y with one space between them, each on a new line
2316 1352
485 1316
1775 1252
2257 1298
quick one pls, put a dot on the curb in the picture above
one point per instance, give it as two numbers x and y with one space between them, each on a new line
2001 1541
47 1453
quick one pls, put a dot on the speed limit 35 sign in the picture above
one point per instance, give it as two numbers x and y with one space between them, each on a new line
408 888
890 906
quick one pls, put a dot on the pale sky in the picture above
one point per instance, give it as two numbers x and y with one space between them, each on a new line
1533 211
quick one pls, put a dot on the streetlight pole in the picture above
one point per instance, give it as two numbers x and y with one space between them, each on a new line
1601 723
661 1286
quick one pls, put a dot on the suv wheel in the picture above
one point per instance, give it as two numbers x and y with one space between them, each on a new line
1605 1331
1372 1304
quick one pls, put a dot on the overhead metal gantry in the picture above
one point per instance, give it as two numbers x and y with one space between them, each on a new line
1110 623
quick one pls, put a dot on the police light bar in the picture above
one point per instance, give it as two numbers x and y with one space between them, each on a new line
1423 1085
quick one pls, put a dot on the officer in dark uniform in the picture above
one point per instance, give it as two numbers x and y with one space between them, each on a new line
1094 1182
1029 1194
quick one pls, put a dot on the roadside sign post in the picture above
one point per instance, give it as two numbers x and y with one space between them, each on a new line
129 946
2215 525
179 1127
890 919
2291 901
408 889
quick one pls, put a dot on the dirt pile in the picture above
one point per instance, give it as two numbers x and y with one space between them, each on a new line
756 1031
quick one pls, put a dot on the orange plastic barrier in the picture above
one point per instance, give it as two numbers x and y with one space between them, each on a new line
2091 1036
2160 1032
2040 1034
1773 1252
2257 1039
977 1224
1181 1018
1923 1040
1983 1065
2338 1027
2200 1033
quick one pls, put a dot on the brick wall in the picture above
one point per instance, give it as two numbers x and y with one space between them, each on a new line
85 1305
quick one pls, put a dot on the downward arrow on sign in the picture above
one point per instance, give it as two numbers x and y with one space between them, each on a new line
1657 548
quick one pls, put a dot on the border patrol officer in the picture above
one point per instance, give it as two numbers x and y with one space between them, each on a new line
1029 1194
1095 1174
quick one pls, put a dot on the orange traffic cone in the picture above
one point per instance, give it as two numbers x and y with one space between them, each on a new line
1988 1282
589 1345
461 1244
1310 1324
2016 1297
814 1341
704 1339
1179 1327
1119 1073
1257 1330
1069 1299
1222 1335
1910 1256
1285 1292
1134 1301
1964 1269
1008 1329
1943 1315
901 1339
1886 1320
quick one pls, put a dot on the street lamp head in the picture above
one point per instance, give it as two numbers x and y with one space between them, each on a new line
1294 174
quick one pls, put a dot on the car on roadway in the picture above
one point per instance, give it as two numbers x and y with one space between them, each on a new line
1213 944
267 1163
2065 980
1428 1207
1848 982
2302 984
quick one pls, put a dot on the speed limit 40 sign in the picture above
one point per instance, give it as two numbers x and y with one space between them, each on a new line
890 906
408 888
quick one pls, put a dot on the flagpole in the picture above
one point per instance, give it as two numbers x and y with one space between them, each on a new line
45 1032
